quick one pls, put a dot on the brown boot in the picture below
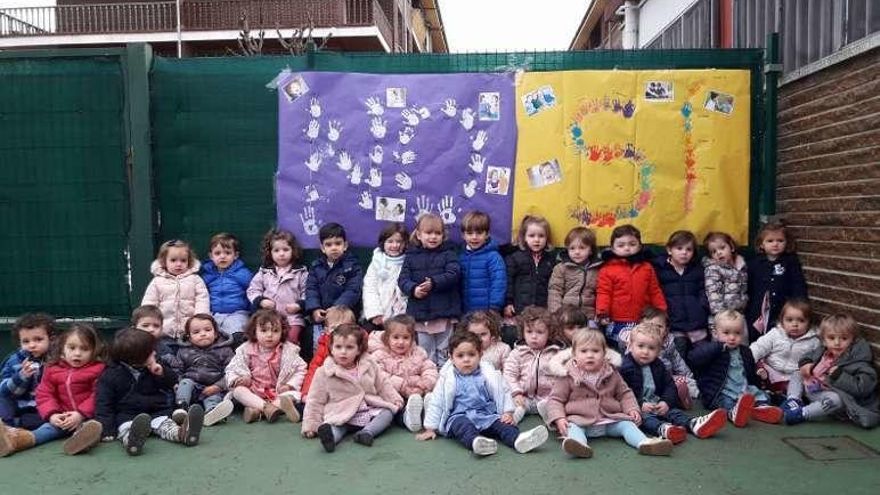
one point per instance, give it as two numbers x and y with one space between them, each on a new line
85 437
14 440
271 412
251 414
289 409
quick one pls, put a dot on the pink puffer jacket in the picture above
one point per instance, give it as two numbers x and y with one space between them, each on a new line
286 288
411 373
178 297
526 371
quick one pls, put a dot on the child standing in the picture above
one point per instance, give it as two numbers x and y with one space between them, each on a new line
65 397
200 365
336 315
779 351
487 326
350 393
22 370
430 277
656 393
838 378
472 404
775 275
227 279
266 372
280 283
590 399
483 274
627 283
681 278
382 297
411 372
176 288
525 367
134 396
574 280
725 274
529 267
726 374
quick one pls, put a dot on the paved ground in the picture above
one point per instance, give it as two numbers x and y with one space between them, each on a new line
263 458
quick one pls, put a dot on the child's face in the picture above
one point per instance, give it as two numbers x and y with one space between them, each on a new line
223 256
201 333
644 348
394 245
429 236
836 342
794 322
589 356
535 335
773 244
536 238
578 252
399 339
568 332
483 332
626 246
333 248
547 173
345 351
682 254
76 352
282 253
729 332
475 239
721 251
177 260
465 358
268 335
152 326
34 340
660 323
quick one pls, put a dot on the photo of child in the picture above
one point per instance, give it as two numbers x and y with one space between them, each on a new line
497 180
295 88
490 106
659 91
719 102
395 97
545 173
390 209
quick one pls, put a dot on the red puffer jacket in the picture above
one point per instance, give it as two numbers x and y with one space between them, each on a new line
64 388
626 286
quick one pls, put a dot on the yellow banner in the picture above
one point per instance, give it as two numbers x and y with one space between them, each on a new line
663 150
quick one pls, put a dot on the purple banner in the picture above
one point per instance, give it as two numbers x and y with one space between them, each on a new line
363 149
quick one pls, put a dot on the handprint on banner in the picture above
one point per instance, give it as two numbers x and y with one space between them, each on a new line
311 193
334 130
328 150
406 157
406 134
410 117
449 108
377 155
470 188
404 181
355 176
315 108
314 161
313 130
424 113
378 127
479 141
375 178
478 163
366 201
374 106
309 222
467 119
423 206
344 163
446 213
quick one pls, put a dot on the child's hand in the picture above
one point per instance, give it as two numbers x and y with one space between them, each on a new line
428 283
507 419
509 311
154 367
72 421
426 435
292 308
244 381
635 416
318 315
108 438
562 426
211 390
28 369
806 370
519 400
603 320
267 304
832 370
421 292
308 434
398 404
762 373
284 388
661 408
57 419
647 407
378 321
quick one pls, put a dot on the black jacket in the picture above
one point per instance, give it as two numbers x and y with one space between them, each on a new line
442 267
205 366
122 395
631 371
526 280
710 361
686 301
783 279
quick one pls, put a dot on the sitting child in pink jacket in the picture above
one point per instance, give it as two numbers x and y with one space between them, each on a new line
526 367
412 373
350 392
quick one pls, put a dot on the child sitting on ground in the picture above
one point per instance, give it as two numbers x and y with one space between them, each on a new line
487 326
336 316
22 370
779 351
525 367
149 319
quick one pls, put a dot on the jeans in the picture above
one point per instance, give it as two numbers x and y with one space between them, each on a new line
436 345
231 323
463 430
651 422
729 403
48 432
621 429
188 391
376 426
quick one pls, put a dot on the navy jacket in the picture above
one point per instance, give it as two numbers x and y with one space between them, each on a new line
483 278
227 288
710 362
527 281
686 301
631 371
783 279
122 395
442 267
337 286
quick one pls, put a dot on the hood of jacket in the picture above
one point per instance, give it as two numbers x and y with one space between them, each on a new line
158 270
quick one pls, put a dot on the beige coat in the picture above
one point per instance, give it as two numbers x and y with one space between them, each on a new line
573 285
178 297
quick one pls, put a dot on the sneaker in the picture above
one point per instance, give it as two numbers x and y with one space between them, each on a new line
272 412
251 414
518 414
288 407
191 429
574 448
541 406
742 411
484 446
412 413
178 416
767 414
655 446
219 413
325 434
675 434
791 404
363 437
708 425
137 434
85 437
794 416
531 439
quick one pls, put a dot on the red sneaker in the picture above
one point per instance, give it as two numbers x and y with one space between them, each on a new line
708 425
675 434
742 411
767 414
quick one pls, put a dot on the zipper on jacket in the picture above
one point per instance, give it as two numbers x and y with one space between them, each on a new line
69 391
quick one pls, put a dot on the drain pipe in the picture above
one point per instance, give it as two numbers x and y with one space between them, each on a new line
630 25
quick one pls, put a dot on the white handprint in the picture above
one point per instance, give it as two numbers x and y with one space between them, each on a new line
375 178
410 117
377 155
467 119
478 163
406 134
315 108
478 142
406 157
470 188
449 109
328 150
423 206
313 130
356 174
314 161
334 129
404 181
309 223
344 162
424 113
445 208
378 127
374 106
311 193
366 200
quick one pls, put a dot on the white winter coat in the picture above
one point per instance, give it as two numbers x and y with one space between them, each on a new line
781 352
178 297
382 296
443 399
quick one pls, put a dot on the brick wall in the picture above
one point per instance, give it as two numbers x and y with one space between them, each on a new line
828 185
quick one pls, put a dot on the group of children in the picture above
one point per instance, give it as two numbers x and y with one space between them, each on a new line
432 352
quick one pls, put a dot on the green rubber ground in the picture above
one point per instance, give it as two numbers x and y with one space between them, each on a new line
262 458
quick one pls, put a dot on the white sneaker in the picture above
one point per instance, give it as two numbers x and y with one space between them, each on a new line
412 413
655 446
484 446
542 409
518 414
531 439
220 412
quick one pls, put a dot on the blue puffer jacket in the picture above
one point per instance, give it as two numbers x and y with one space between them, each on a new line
227 288
13 385
442 267
340 285
687 304
483 277
710 362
